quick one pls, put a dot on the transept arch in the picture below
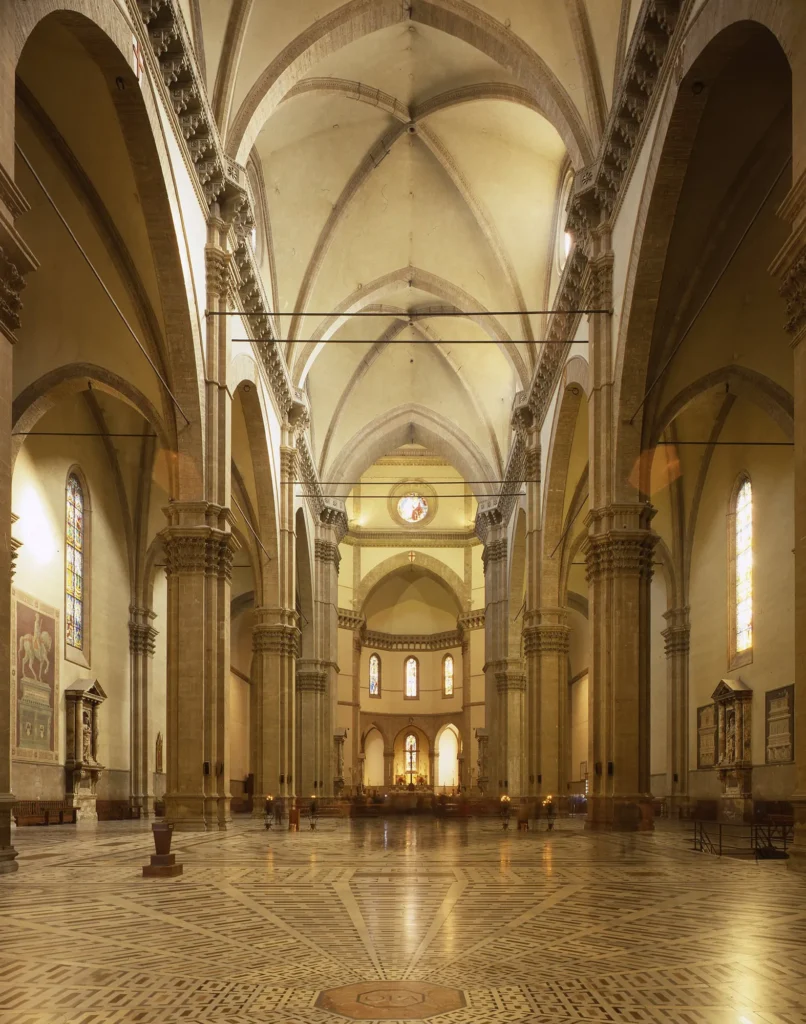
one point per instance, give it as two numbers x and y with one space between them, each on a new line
424 563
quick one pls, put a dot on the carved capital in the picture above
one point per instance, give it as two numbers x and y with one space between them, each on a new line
598 282
288 464
275 639
142 638
334 514
510 680
11 286
624 553
494 552
548 638
793 291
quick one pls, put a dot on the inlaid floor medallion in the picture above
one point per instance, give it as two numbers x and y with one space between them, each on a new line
390 1000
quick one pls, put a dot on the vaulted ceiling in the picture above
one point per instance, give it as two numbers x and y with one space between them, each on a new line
408 159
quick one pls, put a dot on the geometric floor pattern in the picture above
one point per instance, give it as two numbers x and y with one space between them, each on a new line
566 927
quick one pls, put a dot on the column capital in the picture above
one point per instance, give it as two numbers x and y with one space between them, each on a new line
620 554
677 635
494 551
16 260
597 281
142 638
789 266
326 551
334 516
220 276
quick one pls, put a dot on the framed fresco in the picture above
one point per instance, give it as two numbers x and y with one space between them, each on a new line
780 731
706 736
34 679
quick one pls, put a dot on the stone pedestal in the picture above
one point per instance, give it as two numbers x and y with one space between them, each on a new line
163 865
81 761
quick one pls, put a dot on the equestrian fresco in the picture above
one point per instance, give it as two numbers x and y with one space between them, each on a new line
34 673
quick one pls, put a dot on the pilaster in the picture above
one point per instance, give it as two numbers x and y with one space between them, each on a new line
142 637
494 558
546 646
677 639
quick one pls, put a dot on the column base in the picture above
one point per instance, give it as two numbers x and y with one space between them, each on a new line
797 851
620 814
186 813
142 806
8 860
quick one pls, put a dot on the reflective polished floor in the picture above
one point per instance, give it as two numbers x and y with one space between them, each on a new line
410 919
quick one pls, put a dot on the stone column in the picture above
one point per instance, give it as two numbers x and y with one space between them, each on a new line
16 260
677 640
790 267
274 645
536 692
218 461
495 648
547 645
433 768
142 636
198 546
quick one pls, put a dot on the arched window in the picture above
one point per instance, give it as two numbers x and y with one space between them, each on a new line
374 675
75 564
741 573
447 676
411 758
412 678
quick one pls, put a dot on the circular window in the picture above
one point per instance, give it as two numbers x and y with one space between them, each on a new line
412 503
413 508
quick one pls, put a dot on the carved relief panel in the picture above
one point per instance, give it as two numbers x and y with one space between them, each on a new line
780 725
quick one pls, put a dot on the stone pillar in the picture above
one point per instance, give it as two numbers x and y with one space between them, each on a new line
619 555
464 753
198 546
330 530
433 768
790 267
311 686
358 764
274 645
16 260
547 645
677 640
388 769
142 636
495 647
510 682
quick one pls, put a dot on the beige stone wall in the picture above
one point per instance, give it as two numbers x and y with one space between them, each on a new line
38 498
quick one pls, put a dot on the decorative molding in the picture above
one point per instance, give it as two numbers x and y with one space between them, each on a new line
494 551
10 194
15 547
11 285
326 551
627 553
417 456
334 514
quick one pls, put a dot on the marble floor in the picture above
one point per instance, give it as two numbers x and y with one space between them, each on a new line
411 919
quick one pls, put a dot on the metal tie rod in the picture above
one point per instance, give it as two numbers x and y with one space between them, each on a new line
420 315
414 341
100 281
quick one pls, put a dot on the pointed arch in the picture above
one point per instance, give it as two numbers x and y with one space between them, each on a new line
433 567
404 425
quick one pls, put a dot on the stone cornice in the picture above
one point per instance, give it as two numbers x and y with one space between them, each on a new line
351 620
413 641
357 537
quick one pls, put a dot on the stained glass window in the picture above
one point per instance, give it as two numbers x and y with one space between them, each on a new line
447 675
412 508
744 568
74 564
412 677
411 757
374 676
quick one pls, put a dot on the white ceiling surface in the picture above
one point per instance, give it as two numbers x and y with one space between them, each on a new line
436 190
